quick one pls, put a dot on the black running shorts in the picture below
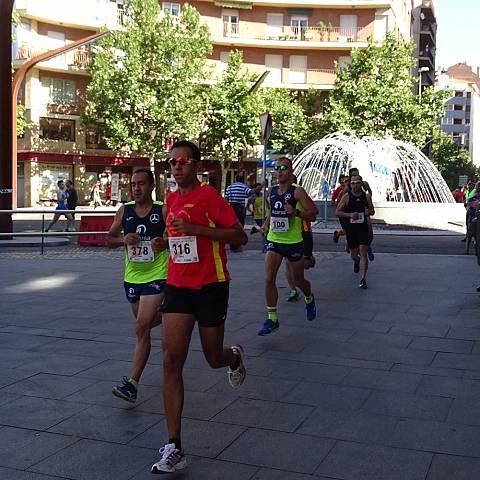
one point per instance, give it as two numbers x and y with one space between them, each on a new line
208 304
293 252
357 235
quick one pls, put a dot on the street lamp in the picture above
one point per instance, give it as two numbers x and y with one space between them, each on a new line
420 71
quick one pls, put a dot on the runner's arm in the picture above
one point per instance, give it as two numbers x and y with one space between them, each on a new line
234 235
371 209
341 207
309 212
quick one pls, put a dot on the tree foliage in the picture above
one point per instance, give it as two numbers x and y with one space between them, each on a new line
232 122
293 128
146 79
451 160
374 95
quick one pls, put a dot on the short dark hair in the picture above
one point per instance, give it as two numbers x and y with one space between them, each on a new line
285 159
147 172
59 182
341 178
353 169
239 178
69 181
194 150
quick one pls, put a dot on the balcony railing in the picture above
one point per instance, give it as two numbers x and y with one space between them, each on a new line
289 33
77 59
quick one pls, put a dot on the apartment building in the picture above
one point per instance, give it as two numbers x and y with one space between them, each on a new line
462 109
56 146
299 42
424 34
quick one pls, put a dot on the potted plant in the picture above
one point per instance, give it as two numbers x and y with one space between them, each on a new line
322 30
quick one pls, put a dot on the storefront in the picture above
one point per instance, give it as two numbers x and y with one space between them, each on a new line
42 170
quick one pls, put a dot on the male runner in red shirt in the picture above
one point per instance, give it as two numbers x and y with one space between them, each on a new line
199 223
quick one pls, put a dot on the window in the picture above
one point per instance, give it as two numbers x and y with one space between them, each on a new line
348 28
459 93
298 69
449 107
95 139
57 129
230 20
60 91
447 121
299 25
344 62
274 24
172 8
458 107
274 65
458 121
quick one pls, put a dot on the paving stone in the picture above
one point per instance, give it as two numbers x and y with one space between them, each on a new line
449 387
438 437
464 333
432 371
420 330
269 474
312 372
442 345
345 425
92 460
37 413
449 467
391 339
465 411
205 468
198 405
255 447
46 332
202 438
257 387
397 381
22 448
108 424
57 364
262 414
407 406
47 386
11 474
331 397
351 461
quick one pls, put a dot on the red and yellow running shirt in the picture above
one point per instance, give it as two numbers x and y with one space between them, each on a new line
202 206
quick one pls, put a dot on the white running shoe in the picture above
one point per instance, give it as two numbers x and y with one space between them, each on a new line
237 377
172 459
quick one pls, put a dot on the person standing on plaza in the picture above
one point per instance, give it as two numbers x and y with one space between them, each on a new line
95 195
356 206
199 223
289 205
470 191
146 259
237 194
72 196
61 205
255 202
472 210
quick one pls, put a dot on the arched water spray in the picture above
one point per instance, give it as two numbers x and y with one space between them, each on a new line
396 171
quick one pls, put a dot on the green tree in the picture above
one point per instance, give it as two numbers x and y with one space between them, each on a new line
146 79
232 122
22 123
374 95
292 127
451 160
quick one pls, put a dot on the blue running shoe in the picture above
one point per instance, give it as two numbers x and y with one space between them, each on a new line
371 256
311 310
127 391
356 266
293 296
268 327
363 284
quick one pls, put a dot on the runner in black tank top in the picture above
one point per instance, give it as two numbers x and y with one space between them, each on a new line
356 206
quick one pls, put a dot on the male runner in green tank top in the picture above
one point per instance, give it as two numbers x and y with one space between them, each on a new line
146 260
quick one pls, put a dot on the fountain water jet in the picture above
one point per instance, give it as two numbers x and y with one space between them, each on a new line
395 170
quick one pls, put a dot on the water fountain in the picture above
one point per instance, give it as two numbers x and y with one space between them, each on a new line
396 171
406 186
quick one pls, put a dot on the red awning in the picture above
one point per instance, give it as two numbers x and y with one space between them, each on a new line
82 158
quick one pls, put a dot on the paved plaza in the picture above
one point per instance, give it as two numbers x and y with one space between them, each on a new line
383 385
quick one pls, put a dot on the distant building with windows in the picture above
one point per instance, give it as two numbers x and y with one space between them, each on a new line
462 109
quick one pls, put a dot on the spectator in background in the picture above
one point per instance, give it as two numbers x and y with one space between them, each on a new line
472 207
61 205
236 195
458 195
95 195
72 197
469 193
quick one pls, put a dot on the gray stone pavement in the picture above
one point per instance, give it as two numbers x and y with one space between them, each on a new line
383 385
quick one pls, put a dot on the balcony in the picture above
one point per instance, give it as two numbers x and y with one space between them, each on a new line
291 37
75 61
300 79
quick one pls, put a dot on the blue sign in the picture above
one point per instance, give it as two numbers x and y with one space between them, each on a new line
325 189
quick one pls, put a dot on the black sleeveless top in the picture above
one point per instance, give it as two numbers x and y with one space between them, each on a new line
357 204
148 227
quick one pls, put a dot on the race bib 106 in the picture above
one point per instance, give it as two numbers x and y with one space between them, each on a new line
279 224
183 249
142 252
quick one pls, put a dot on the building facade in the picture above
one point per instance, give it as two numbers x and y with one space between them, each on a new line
299 42
462 109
